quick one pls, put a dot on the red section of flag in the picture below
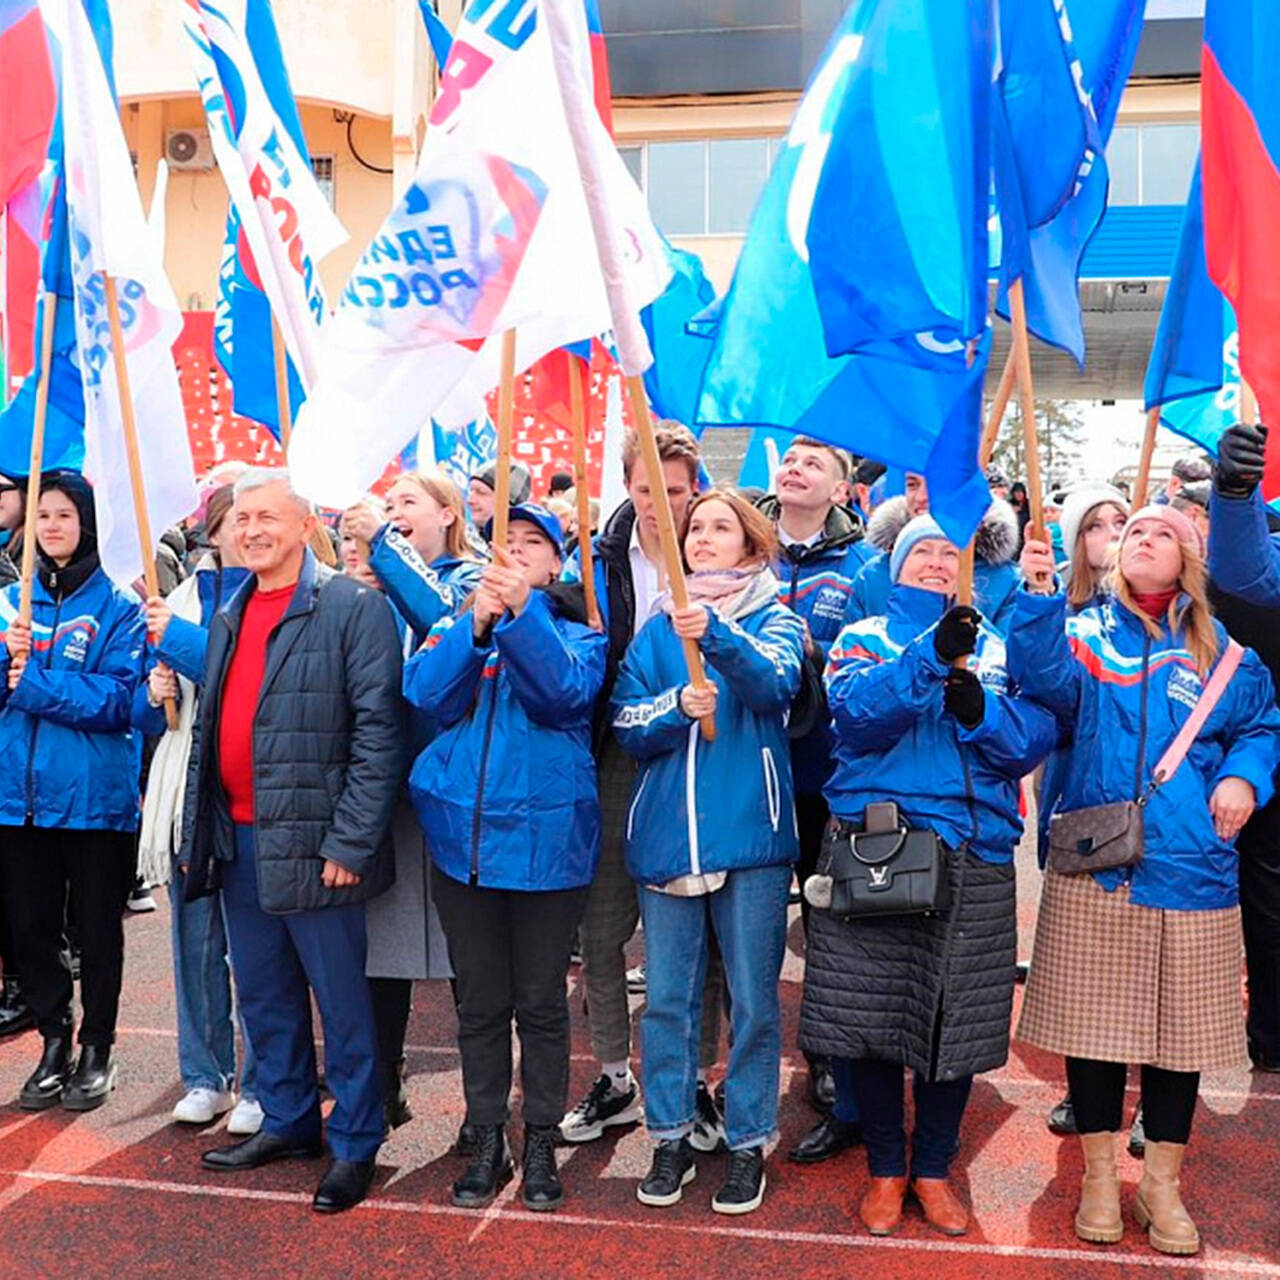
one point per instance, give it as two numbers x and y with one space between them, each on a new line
1242 238
28 100
21 281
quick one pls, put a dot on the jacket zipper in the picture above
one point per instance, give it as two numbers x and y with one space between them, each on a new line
691 799
1142 730
484 771
35 720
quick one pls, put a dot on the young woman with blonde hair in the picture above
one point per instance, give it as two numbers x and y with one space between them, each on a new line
1141 962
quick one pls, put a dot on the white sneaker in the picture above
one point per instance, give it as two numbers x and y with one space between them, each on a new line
202 1106
246 1118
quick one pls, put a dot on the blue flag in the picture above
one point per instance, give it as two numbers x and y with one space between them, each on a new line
64 416
770 365
1099 42
1187 358
679 356
437 33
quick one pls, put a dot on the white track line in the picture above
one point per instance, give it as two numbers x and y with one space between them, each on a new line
1203 1265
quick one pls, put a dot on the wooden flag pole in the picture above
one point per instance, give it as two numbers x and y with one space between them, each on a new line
284 407
1143 482
506 423
578 415
1027 399
134 455
999 405
1248 405
667 534
48 314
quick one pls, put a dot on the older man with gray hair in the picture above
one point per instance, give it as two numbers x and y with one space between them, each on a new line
295 767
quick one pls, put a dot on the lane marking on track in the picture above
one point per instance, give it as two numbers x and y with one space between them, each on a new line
1229 1266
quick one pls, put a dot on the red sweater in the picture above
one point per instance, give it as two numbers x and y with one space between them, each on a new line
240 691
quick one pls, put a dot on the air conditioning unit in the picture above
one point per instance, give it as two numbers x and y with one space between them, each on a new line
187 149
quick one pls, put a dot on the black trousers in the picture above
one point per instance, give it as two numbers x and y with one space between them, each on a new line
510 952
392 1003
1168 1099
8 959
812 816
1259 847
48 873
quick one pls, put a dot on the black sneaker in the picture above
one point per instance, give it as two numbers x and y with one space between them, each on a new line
672 1170
708 1123
1062 1119
1138 1135
602 1108
140 898
743 1187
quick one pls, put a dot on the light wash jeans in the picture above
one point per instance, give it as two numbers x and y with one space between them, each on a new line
749 918
202 983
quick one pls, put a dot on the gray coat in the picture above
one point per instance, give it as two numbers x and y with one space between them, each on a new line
933 993
329 743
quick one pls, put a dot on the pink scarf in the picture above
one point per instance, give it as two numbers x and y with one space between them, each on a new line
732 593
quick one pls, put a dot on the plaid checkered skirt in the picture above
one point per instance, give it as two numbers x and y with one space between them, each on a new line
1118 982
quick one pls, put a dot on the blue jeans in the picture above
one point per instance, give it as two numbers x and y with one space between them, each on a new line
278 960
749 917
202 985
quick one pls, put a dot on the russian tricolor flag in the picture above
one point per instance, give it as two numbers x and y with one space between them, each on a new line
1240 110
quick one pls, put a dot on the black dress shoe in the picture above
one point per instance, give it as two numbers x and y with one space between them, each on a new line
490 1170
1062 1119
1261 1059
262 1148
344 1185
540 1186
822 1085
92 1080
44 1086
15 1014
828 1138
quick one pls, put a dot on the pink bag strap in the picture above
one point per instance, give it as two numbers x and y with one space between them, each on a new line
1172 759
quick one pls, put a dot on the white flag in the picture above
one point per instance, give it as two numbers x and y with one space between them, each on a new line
109 236
283 213
493 234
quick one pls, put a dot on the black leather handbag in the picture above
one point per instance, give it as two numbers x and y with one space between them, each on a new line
882 868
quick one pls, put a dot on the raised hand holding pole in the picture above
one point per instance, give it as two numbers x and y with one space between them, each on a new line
134 455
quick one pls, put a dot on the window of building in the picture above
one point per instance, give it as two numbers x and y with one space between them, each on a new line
1152 163
702 186
323 167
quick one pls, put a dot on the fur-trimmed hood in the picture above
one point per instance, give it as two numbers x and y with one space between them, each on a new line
995 543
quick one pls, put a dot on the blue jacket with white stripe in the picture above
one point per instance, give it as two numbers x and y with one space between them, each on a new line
698 806
895 740
1122 696
422 593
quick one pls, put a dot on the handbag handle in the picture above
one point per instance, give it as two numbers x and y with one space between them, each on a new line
853 846
1171 761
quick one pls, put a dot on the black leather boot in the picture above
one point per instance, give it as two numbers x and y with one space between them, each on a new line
15 1015
343 1186
93 1078
490 1171
540 1188
44 1086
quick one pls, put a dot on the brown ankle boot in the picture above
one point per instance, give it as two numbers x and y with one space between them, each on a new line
881 1207
1159 1205
942 1211
1098 1218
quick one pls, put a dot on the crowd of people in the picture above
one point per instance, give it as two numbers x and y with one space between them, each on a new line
397 750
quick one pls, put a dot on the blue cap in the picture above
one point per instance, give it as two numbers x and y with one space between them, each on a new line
547 524
921 529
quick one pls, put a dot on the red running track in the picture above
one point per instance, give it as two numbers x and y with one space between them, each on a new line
120 1191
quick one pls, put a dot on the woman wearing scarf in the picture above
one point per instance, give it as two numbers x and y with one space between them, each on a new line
69 791
179 630
711 837
930 991
1141 963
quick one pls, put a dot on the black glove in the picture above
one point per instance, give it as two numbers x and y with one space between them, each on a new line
963 697
957 634
1241 457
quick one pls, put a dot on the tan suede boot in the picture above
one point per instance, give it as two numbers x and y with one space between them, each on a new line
1159 1205
1098 1218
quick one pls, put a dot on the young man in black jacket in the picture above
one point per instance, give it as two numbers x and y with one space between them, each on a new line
296 764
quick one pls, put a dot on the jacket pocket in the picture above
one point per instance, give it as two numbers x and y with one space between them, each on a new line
635 802
772 789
